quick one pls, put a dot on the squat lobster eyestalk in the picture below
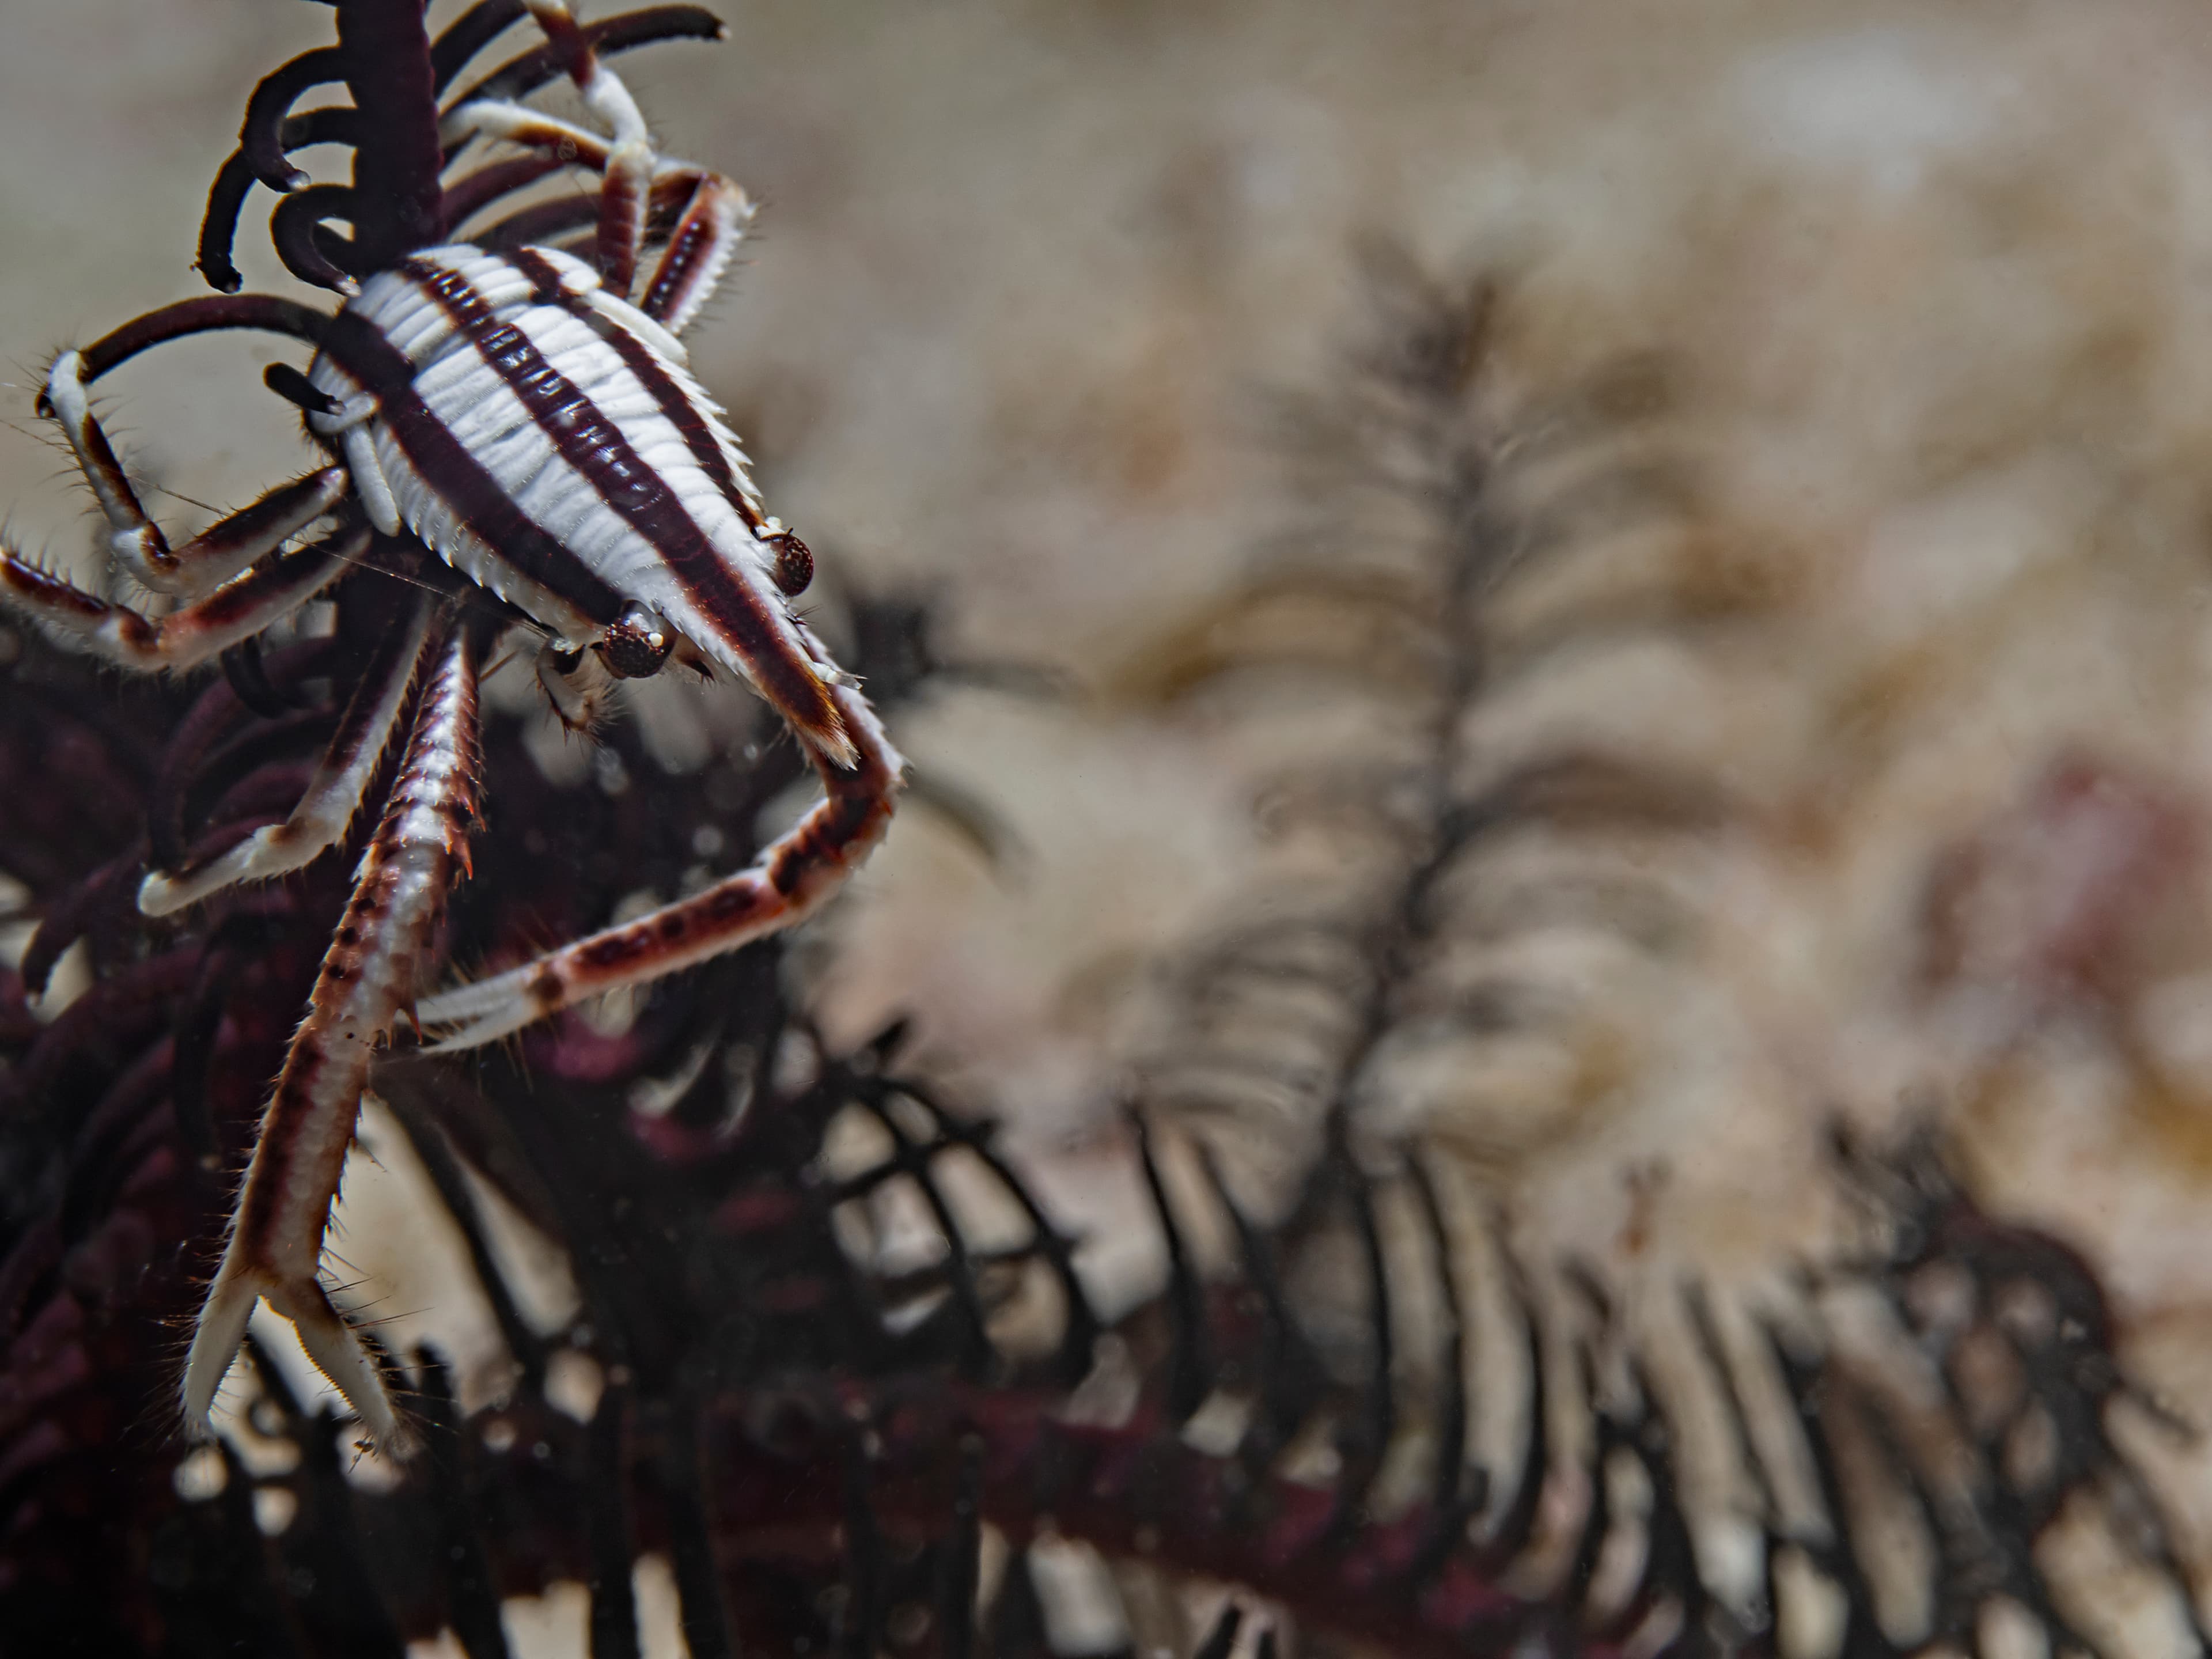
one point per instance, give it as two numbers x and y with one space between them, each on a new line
522 410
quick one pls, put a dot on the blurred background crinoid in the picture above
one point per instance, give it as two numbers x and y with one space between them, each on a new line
1549 985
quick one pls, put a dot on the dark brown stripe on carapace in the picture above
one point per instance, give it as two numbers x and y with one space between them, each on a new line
601 456
688 420
355 345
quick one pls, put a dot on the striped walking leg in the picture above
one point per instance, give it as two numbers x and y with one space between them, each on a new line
624 195
710 221
699 249
192 634
218 552
791 877
276 1246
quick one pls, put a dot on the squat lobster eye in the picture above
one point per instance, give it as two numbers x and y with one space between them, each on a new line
794 564
635 645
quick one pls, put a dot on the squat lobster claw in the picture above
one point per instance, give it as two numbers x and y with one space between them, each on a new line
528 416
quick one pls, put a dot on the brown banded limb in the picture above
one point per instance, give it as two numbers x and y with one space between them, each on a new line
192 634
369 976
788 880
216 553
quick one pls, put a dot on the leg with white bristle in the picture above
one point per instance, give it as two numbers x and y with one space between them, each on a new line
369 976
625 196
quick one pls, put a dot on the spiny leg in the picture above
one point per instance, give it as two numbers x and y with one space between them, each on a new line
708 227
198 632
276 1246
698 252
553 144
222 550
554 222
791 877
333 796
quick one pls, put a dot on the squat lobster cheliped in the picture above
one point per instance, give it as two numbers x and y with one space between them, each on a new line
527 416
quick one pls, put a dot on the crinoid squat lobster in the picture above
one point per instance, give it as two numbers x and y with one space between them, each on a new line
525 415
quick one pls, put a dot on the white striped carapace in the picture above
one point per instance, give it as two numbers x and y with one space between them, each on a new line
528 417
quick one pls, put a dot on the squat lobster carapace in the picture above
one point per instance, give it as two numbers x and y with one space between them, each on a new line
505 405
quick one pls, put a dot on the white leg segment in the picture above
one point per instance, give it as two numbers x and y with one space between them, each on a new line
625 193
714 220
518 124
